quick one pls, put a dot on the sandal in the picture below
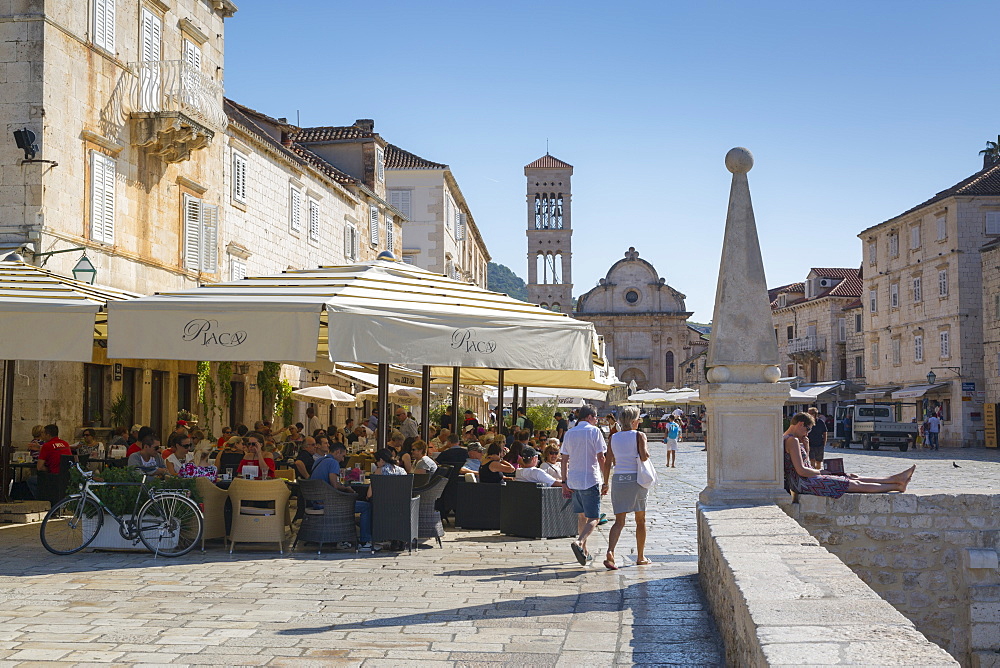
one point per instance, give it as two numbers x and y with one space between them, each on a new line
644 562
578 552
610 565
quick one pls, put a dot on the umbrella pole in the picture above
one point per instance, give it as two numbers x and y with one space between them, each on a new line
500 401
456 376
425 403
8 424
382 429
524 402
513 410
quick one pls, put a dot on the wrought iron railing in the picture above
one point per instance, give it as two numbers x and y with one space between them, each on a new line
176 86
808 343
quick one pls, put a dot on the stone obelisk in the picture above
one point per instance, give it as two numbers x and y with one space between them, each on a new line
743 399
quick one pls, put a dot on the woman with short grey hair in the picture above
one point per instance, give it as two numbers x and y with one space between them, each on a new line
628 446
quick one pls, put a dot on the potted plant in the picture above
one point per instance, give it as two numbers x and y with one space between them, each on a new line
96 418
121 411
121 501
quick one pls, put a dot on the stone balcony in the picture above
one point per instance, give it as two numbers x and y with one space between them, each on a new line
175 109
807 344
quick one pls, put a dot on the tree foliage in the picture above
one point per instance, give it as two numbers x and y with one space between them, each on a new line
500 278
991 154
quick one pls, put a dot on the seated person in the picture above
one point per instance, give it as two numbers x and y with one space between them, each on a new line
200 465
227 434
385 464
255 463
550 459
494 467
455 455
304 459
180 456
147 459
51 452
804 479
421 462
327 462
529 473
234 446
143 433
89 445
475 460
439 443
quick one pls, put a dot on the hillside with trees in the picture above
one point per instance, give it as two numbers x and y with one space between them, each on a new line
500 278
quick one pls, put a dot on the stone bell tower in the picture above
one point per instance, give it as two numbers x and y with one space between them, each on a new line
550 278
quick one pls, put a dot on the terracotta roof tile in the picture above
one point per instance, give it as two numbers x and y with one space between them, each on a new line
322 165
849 287
331 133
253 112
546 162
847 272
397 158
984 182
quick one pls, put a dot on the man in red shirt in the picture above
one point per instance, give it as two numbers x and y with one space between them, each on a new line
53 448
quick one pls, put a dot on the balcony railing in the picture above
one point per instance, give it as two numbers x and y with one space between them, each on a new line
805 344
174 86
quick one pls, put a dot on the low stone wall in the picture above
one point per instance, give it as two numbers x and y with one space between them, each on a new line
780 599
933 556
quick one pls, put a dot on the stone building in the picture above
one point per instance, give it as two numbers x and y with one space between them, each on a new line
124 100
854 348
440 234
644 324
990 257
550 232
811 325
923 295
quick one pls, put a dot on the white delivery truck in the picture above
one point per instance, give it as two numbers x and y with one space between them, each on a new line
873 425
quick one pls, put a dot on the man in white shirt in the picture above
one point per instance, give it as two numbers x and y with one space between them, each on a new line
312 422
529 473
582 460
407 425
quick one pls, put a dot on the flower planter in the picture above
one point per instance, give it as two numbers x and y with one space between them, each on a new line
110 538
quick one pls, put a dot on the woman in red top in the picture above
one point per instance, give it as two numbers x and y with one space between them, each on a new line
227 433
254 456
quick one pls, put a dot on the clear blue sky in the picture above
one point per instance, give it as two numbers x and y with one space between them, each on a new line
855 111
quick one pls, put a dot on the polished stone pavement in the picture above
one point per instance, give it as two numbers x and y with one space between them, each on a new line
484 599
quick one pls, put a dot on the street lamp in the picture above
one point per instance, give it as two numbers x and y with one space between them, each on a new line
85 271
931 377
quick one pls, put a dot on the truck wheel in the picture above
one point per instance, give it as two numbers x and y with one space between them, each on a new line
904 447
866 443
875 446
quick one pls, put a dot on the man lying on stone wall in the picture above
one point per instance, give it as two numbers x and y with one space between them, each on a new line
802 478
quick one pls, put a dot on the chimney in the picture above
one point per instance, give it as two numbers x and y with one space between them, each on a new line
286 138
366 124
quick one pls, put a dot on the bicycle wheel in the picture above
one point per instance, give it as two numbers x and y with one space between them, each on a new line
71 525
170 524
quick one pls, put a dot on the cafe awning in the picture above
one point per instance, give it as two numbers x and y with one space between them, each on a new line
917 391
876 392
816 390
382 312
45 316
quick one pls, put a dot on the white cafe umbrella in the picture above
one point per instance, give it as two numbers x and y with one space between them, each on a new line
382 312
324 394
396 392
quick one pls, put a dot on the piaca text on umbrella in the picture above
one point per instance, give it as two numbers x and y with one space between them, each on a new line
205 332
465 338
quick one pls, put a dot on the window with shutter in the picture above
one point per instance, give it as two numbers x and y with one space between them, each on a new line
918 290
192 54
239 177
192 233
152 33
858 323
400 200
915 236
209 238
462 226
942 228
945 345
313 219
875 355
873 301
896 353
841 329
943 283
237 268
379 164
993 222
894 295
893 245
859 366
348 242
918 348
996 307
294 209
104 24
103 173
390 233
373 225
872 252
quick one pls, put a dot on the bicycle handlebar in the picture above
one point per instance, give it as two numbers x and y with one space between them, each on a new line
89 475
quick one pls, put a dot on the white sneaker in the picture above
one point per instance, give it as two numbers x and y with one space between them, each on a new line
369 547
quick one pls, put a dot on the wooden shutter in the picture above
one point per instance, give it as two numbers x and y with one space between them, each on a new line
209 238
380 164
295 209
373 225
192 54
348 243
192 233
103 172
463 222
313 219
104 24
152 32
993 223
390 232
355 243
239 177
400 200
237 268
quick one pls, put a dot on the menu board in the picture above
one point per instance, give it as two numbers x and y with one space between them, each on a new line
990 422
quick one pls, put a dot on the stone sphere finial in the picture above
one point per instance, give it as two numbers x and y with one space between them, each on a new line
739 160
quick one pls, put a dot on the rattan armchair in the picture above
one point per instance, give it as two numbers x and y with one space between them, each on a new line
334 522
213 501
530 510
395 509
477 505
259 525
429 519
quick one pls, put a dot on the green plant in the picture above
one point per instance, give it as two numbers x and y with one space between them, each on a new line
268 382
542 416
225 373
121 500
438 411
284 402
121 410
206 390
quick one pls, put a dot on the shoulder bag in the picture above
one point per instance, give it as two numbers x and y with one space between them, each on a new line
646 476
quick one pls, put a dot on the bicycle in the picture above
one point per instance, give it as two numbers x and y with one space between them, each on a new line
168 523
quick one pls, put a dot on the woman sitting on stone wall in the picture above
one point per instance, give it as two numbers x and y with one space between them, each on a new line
802 478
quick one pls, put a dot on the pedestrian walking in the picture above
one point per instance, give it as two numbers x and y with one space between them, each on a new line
582 460
817 439
933 431
673 433
628 447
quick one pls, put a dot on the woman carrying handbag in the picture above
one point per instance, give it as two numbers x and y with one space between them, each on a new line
633 476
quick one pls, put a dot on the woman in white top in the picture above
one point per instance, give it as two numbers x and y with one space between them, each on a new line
628 446
180 456
529 471
421 462
550 459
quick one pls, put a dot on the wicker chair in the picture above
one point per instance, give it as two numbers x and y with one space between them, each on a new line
213 502
429 521
287 474
446 504
334 522
395 510
529 510
477 505
259 525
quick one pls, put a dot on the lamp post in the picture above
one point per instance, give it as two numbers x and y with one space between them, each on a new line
931 377
85 271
